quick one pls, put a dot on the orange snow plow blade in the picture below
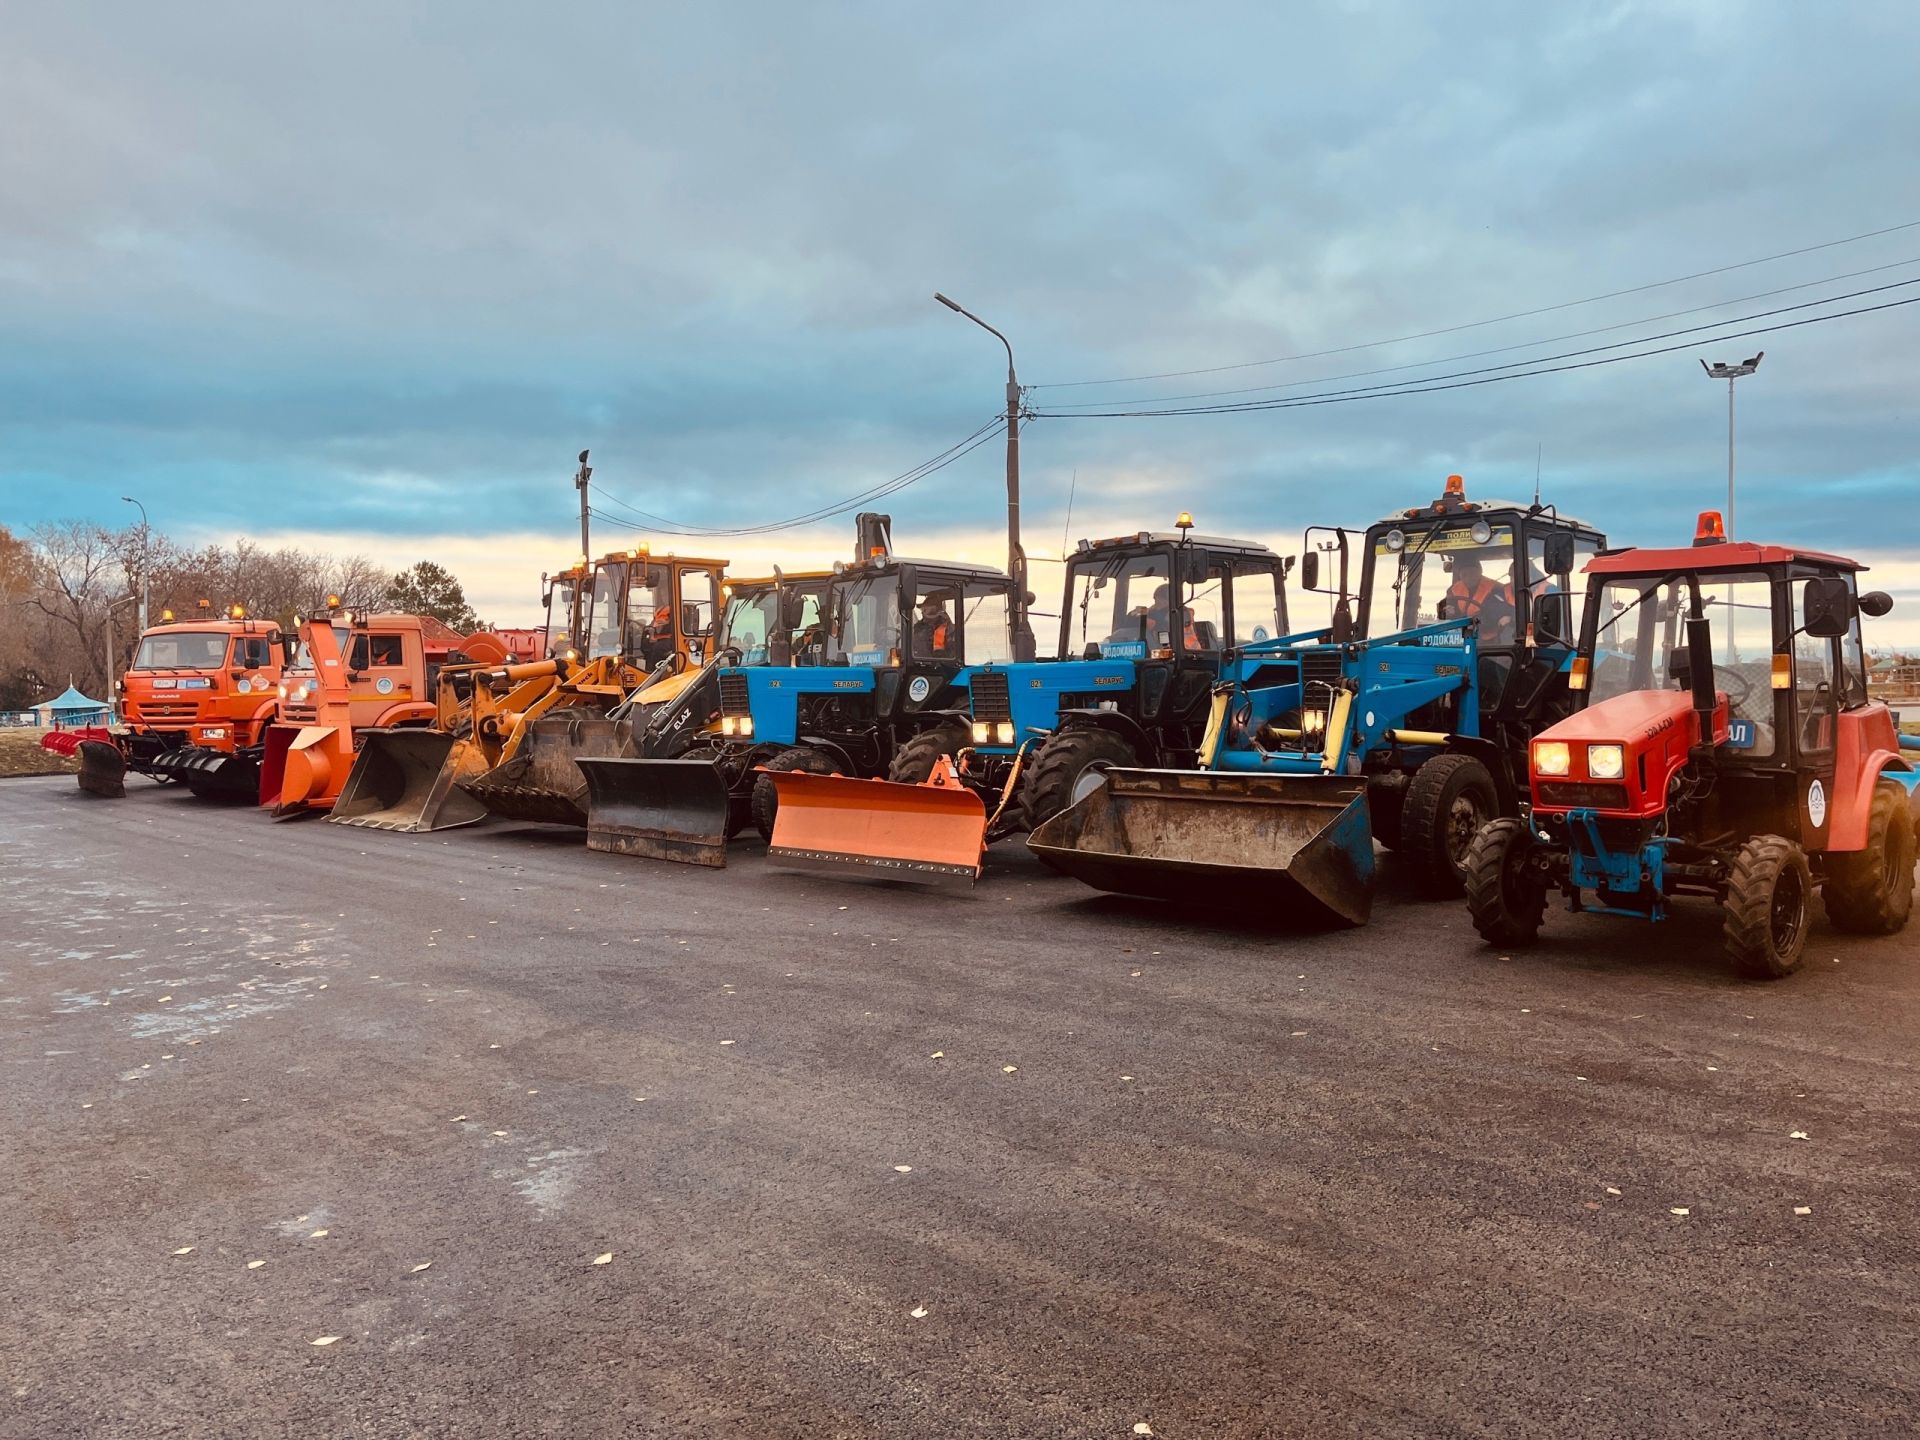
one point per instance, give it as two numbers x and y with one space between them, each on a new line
930 833
304 768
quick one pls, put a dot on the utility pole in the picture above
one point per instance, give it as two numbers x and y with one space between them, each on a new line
1017 622
584 474
1731 373
146 558
107 627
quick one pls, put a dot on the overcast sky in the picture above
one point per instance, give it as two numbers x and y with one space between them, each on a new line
367 277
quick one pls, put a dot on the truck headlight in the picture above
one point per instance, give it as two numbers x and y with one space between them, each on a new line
746 725
282 691
1606 762
1003 732
729 725
1551 757
982 732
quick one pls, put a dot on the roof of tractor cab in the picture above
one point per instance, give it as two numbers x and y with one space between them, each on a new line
950 567
1483 508
1725 555
785 577
1174 537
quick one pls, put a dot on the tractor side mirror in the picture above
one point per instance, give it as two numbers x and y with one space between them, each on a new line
1875 603
1196 567
1310 570
1552 619
1827 609
1559 553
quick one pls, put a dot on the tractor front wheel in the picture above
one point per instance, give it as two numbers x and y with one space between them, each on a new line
1506 893
766 801
1870 891
913 762
1066 767
1767 905
1449 800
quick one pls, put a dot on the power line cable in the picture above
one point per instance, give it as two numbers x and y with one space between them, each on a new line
1498 349
1480 324
1423 387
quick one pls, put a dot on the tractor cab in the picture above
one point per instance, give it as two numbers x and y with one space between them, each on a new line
768 618
645 611
1725 746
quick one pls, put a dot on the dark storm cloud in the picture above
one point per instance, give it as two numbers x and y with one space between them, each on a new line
387 268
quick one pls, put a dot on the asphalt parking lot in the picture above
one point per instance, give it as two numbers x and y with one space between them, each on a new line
1018 1162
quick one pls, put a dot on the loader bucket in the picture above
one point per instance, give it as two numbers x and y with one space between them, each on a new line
660 809
404 780
931 833
1272 844
541 782
103 769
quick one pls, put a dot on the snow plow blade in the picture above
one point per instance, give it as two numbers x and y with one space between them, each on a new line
304 768
658 809
1269 844
404 780
930 833
541 782
103 768
213 774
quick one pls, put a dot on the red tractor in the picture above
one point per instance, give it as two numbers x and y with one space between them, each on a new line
1724 747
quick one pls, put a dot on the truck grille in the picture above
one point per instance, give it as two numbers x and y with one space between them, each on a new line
183 712
1574 795
989 701
733 695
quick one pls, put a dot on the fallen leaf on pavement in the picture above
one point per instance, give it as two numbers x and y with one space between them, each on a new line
1008 1069
726 1042
938 1055
904 1169
423 1265
606 1259
919 1312
456 1119
1797 1135
325 1340
1612 1191
255 1264
316 1235
1679 1210
1803 1210
184 1250
1143 1428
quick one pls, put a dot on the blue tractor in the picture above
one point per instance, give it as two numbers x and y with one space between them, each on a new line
1406 722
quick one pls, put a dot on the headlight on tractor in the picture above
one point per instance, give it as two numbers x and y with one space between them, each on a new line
1606 762
982 732
1003 732
1551 757
746 725
729 725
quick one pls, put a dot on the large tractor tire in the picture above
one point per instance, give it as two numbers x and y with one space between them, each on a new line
913 762
1768 905
1506 894
1065 762
766 803
1870 891
1450 799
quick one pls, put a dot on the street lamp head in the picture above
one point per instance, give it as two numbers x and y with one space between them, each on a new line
1754 364
948 303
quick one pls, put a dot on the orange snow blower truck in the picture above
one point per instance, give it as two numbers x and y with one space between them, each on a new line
1725 747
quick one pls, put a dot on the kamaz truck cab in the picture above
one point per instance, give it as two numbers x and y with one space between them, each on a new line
1725 746
1145 621
207 683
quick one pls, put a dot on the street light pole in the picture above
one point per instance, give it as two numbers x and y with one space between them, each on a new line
1730 373
146 558
1017 622
108 628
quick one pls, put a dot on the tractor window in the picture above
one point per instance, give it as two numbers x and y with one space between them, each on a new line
1815 692
1205 617
1539 582
1457 570
936 622
386 650
866 627
696 601
181 650
560 615
1256 606
1640 640
252 651
1109 604
602 606
1853 663
748 620
649 618
984 626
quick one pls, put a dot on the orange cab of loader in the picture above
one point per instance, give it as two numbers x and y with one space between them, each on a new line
208 681
353 673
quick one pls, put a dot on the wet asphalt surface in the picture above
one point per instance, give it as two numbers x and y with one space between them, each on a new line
1215 1179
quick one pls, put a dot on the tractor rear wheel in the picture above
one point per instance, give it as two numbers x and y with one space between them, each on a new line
766 803
913 762
1870 891
1768 906
1449 800
1066 764
1506 894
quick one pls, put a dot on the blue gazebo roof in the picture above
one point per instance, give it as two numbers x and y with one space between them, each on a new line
72 699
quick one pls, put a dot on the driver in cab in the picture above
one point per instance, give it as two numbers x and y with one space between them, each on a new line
1473 596
934 636
1159 618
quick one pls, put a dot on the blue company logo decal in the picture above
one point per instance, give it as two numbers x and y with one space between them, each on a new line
876 656
1124 650
1740 734
1259 633
919 689
196 683
383 686
1449 640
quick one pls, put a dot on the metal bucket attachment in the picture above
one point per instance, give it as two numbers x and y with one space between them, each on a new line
103 768
934 832
660 809
1262 843
541 782
404 780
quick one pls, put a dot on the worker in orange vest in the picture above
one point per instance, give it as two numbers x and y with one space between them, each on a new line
1473 596
1160 620
933 633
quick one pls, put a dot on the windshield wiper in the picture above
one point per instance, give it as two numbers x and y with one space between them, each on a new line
1646 595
